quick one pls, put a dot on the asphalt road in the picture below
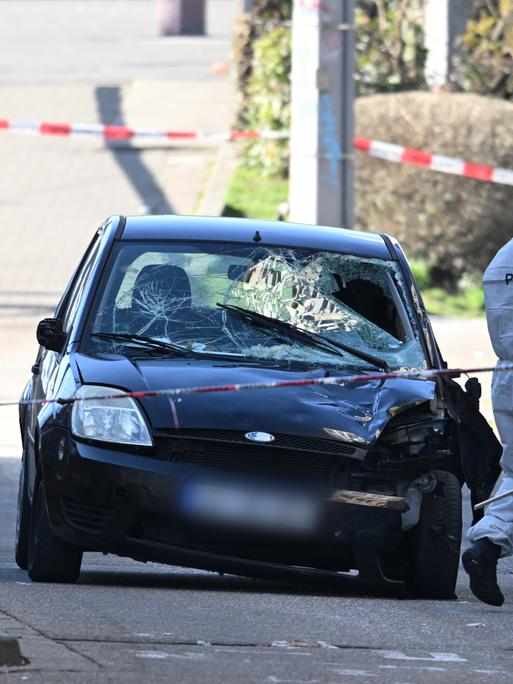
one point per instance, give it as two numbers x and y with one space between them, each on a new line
52 41
129 622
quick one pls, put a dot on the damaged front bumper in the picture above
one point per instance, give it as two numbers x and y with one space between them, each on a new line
128 504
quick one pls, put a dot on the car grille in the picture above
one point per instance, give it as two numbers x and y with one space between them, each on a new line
85 517
281 441
243 458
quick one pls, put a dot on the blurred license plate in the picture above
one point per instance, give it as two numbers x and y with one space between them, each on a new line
252 508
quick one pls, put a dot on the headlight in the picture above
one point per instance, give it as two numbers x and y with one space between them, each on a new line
108 420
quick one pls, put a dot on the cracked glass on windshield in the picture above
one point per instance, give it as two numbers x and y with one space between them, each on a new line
181 294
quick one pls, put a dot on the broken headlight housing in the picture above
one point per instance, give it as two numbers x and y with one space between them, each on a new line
120 421
412 439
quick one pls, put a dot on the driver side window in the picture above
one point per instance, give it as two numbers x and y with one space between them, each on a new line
70 309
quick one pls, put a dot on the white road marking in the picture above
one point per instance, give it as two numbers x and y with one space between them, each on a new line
422 668
434 656
292 645
156 655
260 651
162 655
355 673
277 680
323 644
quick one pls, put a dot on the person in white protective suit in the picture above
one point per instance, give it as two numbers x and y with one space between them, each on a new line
492 536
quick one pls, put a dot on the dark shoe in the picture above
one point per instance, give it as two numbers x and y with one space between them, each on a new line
480 563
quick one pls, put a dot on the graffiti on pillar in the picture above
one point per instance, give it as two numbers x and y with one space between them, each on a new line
330 139
331 46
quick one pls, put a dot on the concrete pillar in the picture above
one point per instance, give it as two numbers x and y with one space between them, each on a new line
446 21
181 17
321 143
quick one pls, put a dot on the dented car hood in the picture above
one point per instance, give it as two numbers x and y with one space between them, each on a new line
354 414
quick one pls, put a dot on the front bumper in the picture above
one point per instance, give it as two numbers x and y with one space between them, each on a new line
103 499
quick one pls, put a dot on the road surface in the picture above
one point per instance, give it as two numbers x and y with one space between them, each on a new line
129 622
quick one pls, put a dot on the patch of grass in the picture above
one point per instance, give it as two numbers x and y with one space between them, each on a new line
466 304
253 195
421 272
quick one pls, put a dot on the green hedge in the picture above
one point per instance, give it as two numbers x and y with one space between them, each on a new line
390 46
269 101
486 58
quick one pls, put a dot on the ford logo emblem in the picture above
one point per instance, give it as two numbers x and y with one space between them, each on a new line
259 436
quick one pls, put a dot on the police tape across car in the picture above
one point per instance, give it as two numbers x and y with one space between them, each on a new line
138 439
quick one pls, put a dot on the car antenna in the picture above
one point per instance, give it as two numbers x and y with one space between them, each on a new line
257 237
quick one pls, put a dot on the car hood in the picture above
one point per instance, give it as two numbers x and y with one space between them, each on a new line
354 413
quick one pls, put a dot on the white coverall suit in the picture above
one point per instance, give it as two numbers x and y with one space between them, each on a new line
497 523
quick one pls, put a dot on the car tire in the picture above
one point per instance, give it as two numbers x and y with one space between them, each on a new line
22 521
50 559
438 540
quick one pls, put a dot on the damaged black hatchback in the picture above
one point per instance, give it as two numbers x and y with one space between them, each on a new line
352 482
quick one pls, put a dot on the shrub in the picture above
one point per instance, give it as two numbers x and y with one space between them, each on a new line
486 57
456 224
266 15
390 45
269 101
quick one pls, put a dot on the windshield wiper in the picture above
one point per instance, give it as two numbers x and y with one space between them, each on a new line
314 339
151 344
147 343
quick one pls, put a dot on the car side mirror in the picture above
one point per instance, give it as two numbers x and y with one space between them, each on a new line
50 334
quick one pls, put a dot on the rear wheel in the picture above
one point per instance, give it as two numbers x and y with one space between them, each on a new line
50 559
22 520
437 540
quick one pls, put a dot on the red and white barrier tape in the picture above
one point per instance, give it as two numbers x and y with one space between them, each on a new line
418 374
433 162
127 133
374 148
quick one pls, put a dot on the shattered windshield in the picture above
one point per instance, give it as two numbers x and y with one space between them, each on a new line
233 300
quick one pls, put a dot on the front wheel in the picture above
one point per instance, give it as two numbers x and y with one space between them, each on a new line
50 559
437 540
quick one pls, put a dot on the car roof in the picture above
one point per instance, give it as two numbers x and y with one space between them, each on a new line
222 229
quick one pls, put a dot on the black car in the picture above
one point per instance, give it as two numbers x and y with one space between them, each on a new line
344 482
